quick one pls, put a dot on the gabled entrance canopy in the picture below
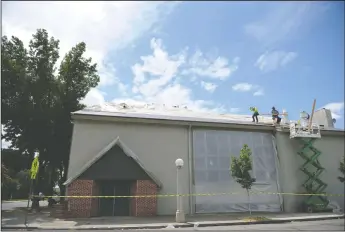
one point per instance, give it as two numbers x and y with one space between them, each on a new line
116 145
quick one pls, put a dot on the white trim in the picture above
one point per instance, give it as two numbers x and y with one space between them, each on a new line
125 149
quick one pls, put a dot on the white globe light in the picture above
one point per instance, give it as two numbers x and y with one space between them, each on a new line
36 154
179 163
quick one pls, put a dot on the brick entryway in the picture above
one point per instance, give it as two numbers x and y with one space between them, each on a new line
144 206
82 207
89 207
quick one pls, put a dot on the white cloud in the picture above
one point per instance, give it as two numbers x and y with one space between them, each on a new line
270 61
94 97
337 109
160 68
242 87
104 26
246 87
234 110
210 87
4 144
285 20
157 80
259 92
218 68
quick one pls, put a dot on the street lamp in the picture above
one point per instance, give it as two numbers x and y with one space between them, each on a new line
180 217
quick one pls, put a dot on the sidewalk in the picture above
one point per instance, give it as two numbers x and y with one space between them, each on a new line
43 221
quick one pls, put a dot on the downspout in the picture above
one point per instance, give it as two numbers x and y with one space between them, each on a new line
190 169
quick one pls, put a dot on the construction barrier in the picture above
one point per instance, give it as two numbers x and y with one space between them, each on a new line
204 194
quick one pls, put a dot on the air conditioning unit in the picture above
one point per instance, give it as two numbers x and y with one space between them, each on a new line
323 117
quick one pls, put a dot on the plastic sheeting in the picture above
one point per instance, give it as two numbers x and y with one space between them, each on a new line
212 151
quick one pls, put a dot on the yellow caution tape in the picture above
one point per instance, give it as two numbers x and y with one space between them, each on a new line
206 194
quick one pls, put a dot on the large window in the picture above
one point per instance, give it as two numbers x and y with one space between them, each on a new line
212 151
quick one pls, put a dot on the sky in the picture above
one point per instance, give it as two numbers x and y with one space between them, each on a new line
209 56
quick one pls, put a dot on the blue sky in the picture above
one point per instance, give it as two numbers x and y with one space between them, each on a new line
213 56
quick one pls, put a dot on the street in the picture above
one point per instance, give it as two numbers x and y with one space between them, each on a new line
11 205
324 225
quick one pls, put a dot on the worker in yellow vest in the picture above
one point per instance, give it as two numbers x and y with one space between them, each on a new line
255 114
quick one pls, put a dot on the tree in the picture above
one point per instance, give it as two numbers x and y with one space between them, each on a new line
15 160
38 98
240 169
8 183
5 177
342 170
77 75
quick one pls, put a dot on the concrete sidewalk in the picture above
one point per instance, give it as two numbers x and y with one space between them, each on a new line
43 221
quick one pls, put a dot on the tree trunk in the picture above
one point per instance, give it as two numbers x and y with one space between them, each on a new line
249 208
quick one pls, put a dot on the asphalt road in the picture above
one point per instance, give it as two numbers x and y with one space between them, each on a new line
11 205
324 225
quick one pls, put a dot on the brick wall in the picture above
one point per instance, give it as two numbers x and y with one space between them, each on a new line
82 207
88 207
144 206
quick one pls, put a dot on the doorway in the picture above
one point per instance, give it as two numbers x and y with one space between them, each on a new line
113 206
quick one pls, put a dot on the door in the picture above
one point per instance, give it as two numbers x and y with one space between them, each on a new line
122 204
106 205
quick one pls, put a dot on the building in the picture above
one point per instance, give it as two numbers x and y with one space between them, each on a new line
119 150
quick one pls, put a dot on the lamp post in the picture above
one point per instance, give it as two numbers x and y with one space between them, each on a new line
180 217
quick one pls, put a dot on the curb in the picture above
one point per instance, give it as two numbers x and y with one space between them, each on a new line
19 228
272 221
184 225
92 228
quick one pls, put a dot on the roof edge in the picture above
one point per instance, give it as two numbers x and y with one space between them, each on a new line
104 150
173 121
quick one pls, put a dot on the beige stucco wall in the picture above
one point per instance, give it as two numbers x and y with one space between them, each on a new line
157 146
291 178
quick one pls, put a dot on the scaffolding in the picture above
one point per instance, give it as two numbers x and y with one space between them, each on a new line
307 133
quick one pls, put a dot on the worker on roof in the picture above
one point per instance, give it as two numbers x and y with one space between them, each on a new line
275 116
255 113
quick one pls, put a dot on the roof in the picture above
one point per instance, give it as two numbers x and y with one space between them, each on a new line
179 114
163 112
126 150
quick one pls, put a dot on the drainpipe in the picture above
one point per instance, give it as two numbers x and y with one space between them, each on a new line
190 168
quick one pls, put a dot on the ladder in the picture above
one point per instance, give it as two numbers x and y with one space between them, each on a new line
311 166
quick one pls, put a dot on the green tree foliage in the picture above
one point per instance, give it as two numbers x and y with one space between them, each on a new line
240 169
342 170
38 96
15 160
5 175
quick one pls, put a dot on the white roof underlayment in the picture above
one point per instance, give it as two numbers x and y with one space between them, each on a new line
161 111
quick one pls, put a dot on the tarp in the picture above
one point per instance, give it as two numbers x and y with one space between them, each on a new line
212 151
